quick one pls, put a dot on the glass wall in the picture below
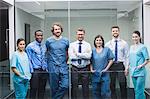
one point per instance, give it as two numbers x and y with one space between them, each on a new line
96 17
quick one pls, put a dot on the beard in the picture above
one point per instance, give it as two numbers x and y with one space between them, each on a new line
57 34
116 35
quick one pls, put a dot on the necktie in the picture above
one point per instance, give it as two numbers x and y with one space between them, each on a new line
40 46
41 56
79 50
116 50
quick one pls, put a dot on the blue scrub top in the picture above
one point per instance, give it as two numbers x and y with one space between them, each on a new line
99 62
137 57
21 62
57 54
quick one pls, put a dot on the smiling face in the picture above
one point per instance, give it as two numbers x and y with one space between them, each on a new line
80 35
57 31
135 38
115 32
39 36
98 42
21 45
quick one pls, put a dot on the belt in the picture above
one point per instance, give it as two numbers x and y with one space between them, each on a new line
40 69
79 67
117 62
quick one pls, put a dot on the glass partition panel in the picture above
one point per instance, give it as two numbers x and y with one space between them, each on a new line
56 12
40 15
96 17
129 18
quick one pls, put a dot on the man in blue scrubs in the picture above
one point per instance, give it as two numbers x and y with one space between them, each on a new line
57 47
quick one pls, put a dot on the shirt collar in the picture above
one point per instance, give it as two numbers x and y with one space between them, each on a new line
57 38
114 39
37 43
80 42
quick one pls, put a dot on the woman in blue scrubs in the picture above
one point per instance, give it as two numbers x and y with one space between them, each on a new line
102 59
138 58
21 70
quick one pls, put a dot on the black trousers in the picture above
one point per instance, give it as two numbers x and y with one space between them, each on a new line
38 83
76 75
120 76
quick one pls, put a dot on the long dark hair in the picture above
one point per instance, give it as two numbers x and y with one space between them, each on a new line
99 36
139 34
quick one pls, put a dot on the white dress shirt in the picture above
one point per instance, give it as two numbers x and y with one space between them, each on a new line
123 50
85 54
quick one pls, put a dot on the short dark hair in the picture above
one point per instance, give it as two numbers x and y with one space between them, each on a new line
115 27
19 40
99 36
139 34
80 29
37 31
57 24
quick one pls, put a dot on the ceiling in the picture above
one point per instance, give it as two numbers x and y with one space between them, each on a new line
55 8
3 5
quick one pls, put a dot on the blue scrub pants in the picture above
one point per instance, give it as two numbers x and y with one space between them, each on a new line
21 89
139 87
59 84
101 90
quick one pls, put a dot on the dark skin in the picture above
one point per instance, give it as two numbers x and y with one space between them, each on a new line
39 36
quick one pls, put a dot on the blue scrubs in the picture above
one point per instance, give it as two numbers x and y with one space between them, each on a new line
21 62
101 81
57 66
137 57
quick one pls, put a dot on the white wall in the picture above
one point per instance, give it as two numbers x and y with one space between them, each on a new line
146 1
146 37
23 17
11 37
